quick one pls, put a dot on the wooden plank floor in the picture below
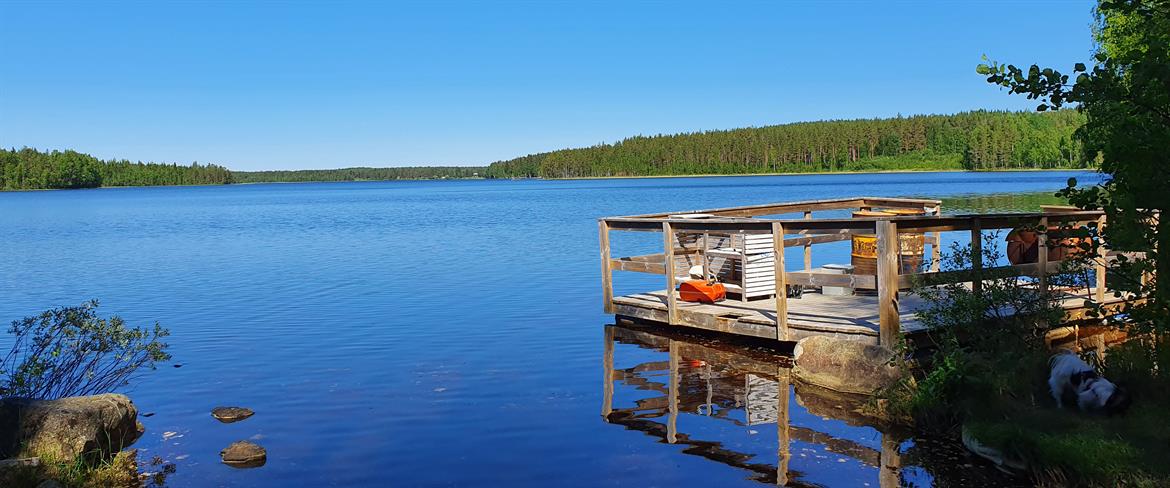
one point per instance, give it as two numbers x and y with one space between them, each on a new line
845 317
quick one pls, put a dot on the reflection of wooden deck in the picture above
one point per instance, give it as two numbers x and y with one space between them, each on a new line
742 387
848 317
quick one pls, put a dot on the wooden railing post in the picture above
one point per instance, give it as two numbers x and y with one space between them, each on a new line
668 266
976 256
889 322
1100 262
606 268
1042 255
780 281
808 247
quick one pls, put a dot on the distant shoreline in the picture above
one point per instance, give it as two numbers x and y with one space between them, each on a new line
709 175
880 171
643 177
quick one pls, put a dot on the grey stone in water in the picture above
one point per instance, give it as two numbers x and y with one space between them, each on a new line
1002 461
95 426
21 462
244 454
228 415
16 466
844 365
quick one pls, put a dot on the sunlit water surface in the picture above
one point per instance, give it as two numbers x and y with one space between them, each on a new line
433 333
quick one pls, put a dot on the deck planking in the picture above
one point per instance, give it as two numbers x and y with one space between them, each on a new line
853 317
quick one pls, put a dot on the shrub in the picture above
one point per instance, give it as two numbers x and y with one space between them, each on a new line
70 351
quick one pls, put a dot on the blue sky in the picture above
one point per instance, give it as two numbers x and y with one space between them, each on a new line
289 85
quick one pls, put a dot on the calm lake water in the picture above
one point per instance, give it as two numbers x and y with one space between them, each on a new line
444 333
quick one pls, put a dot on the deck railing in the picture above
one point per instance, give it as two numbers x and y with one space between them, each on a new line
808 231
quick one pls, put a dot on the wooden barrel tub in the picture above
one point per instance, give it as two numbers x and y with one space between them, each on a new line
911 246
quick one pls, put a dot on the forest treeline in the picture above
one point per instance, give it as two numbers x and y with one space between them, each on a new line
979 140
361 174
30 169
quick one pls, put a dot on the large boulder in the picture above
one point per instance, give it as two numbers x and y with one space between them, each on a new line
843 365
96 427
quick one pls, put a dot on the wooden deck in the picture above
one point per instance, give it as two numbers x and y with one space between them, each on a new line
881 311
853 317
843 317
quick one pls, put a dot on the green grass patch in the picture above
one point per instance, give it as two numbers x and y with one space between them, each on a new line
119 472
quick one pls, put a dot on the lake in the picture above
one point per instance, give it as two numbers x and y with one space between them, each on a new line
441 332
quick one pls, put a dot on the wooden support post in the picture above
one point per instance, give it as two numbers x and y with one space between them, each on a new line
1042 255
936 243
668 265
808 247
783 453
887 283
607 367
672 392
780 281
606 268
1100 263
976 256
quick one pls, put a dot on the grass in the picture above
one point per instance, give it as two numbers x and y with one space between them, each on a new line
119 472
1064 446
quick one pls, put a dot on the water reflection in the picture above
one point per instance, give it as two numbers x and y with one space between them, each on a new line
737 405
1000 202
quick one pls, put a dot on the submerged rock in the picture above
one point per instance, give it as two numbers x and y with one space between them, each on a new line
96 426
844 365
228 415
1002 461
244 454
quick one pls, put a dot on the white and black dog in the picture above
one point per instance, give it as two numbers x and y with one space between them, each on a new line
1073 378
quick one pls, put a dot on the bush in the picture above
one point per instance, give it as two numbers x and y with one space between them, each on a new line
70 351
980 343
986 370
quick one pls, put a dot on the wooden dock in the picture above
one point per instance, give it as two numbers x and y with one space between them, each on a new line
881 310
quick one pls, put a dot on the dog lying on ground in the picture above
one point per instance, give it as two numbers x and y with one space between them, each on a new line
1072 378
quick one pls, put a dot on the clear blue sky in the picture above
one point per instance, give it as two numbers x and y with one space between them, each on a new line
282 85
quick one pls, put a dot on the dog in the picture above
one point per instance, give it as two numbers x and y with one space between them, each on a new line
1073 378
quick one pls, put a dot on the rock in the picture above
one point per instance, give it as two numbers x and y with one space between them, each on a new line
50 484
1003 462
844 365
22 462
228 415
12 470
95 426
244 454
